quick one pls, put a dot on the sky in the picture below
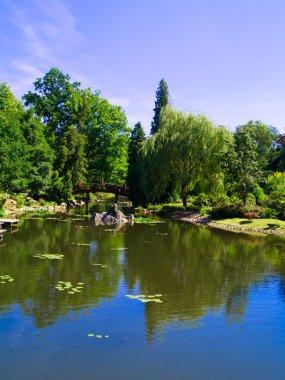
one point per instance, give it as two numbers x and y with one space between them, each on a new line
223 58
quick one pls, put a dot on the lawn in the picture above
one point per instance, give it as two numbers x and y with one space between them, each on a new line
262 224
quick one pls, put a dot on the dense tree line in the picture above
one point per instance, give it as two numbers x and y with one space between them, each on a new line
59 137
188 158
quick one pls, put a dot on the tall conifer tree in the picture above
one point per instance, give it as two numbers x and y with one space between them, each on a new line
160 102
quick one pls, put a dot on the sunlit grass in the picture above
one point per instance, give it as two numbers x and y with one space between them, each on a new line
262 224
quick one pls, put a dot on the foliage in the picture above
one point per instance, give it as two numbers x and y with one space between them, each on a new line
14 166
2 212
39 153
241 164
185 154
107 136
71 156
173 207
51 100
134 176
160 102
61 187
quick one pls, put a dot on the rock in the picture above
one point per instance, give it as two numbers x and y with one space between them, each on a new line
112 216
9 204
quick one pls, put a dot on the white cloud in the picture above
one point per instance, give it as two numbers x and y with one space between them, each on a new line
44 35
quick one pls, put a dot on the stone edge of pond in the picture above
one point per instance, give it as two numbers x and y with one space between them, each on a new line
195 218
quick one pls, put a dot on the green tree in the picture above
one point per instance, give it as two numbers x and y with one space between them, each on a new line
264 136
107 136
160 102
133 178
60 188
71 155
51 100
39 153
14 165
183 155
243 164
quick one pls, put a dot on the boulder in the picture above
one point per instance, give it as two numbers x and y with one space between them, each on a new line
112 216
9 204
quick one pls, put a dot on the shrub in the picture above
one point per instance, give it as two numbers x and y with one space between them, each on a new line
206 210
268 213
202 200
251 215
259 195
226 212
191 207
250 200
2 212
173 207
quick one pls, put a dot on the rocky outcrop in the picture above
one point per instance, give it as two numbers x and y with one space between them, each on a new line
9 205
112 216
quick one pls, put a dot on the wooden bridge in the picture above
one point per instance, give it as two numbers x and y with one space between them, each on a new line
102 187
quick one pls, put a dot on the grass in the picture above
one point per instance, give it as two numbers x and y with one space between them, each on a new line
261 224
143 220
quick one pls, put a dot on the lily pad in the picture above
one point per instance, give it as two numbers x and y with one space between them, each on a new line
49 256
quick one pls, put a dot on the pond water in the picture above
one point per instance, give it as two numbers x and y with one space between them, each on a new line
219 310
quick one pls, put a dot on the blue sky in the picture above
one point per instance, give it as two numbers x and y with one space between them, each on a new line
224 58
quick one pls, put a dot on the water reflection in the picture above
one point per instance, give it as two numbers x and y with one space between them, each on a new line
196 269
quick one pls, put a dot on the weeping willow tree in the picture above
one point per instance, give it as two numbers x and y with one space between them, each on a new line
184 156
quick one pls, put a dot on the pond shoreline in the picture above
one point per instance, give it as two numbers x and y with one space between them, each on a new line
195 218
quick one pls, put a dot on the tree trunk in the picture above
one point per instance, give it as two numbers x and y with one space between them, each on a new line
116 198
184 201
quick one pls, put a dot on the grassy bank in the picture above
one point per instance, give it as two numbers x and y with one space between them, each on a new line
263 225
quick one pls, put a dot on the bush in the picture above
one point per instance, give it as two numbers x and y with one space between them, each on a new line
61 188
20 199
191 207
206 210
277 203
226 212
250 200
2 212
260 197
252 215
222 200
173 207
268 213
202 200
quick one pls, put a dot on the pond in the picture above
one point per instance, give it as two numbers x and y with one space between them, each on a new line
163 301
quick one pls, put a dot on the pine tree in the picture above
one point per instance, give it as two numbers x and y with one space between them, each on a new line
160 102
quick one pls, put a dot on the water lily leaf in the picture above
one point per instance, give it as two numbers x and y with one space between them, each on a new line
50 256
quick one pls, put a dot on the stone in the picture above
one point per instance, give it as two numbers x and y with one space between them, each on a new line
9 204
